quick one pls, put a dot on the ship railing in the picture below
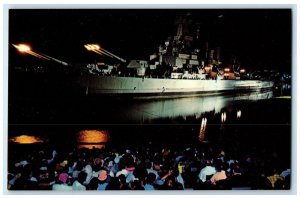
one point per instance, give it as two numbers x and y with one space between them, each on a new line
185 76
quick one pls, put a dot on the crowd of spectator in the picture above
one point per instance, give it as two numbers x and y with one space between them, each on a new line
145 168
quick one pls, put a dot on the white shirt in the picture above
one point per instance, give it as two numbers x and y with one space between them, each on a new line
89 171
286 173
154 172
61 187
77 186
206 171
123 171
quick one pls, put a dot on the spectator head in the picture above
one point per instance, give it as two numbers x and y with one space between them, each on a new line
150 178
93 185
136 185
279 185
102 175
122 178
114 184
81 177
63 177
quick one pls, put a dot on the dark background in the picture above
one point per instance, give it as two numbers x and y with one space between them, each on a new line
259 38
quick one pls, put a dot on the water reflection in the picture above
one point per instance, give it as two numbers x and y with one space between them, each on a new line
194 119
223 117
202 129
147 111
238 114
92 139
26 139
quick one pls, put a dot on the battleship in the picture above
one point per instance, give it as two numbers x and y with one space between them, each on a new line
165 88
180 68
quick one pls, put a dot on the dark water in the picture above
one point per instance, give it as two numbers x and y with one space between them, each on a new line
264 122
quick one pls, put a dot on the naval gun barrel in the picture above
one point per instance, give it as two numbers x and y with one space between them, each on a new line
56 60
96 48
113 55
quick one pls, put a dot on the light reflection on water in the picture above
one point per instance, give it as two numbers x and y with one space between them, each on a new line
202 129
172 108
26 139
203 114
92 139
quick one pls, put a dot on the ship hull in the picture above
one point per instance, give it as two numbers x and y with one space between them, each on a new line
137 87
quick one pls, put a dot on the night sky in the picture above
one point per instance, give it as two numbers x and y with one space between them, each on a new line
259 38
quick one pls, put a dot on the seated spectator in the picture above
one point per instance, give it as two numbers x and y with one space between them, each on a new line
286 173
93 185
237 179
123 183
78 184
114 184
273 178
208 170
62 183
136 185
150 180
219 175
103 180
